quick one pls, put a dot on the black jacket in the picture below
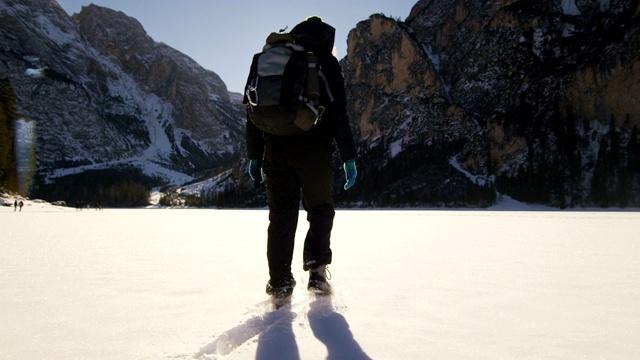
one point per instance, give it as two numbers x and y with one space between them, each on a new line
335 121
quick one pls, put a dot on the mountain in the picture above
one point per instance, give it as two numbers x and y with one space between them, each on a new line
461 104
101 94
466 103
466 100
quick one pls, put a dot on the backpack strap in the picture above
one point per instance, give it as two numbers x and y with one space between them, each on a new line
326 85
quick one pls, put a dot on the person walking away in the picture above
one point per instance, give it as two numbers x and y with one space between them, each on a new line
302 165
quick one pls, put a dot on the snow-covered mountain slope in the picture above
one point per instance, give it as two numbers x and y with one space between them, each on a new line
102 93
540 97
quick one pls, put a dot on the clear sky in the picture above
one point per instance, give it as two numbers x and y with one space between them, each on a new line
223 35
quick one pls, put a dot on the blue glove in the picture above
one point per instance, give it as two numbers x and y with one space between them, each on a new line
256 172
350 173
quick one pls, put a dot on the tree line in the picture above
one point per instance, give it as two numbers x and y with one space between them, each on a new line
8 165
123 187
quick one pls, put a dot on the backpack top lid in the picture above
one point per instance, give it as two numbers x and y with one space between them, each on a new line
282 39
279 38
320 36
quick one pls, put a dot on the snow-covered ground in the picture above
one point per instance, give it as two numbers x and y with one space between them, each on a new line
177 284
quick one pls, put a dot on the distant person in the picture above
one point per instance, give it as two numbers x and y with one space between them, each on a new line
15 205
21 204
303 164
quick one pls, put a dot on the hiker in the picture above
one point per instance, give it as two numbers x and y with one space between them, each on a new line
303 164
20 204
15 205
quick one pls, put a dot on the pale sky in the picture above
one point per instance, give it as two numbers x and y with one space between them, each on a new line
223 35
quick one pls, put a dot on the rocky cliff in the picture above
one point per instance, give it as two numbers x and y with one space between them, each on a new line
465 99
459 104
103 94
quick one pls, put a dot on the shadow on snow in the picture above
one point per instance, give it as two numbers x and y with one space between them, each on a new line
333 330
276 339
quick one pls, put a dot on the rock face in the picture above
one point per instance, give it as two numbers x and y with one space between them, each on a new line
461 103
103 94
535 100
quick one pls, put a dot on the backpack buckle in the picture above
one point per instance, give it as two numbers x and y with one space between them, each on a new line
252 89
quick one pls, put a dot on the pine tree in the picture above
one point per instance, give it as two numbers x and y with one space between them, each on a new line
8 169
606 185
631 171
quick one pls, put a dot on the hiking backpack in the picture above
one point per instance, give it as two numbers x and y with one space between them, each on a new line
283 87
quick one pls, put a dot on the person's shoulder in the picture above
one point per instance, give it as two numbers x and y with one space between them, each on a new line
328 60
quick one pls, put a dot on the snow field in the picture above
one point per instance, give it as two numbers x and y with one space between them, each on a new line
179 284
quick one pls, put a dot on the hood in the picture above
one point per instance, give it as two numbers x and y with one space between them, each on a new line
323 33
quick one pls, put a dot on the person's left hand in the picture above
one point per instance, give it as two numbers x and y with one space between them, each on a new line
256 172
350 173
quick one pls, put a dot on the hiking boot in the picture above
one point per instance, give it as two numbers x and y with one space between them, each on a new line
281 287
318 280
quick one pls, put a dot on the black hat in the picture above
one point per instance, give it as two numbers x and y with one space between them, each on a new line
322 33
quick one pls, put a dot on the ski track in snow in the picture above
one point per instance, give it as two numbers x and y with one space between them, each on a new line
273 322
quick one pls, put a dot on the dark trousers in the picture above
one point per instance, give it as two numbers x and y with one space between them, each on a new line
294 167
